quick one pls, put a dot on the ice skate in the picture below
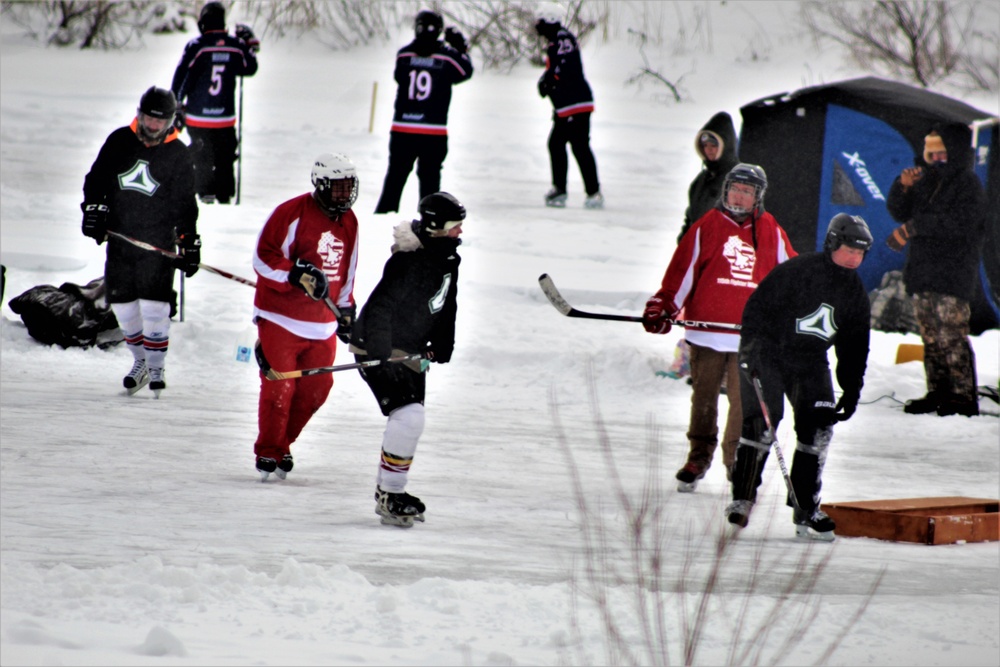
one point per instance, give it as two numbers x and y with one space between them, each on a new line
688 477
157 381
815 526
284 466
555 198
398 509
594 201
265 466
738 512
137 378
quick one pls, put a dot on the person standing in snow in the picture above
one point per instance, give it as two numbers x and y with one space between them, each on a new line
712 273
412 310
801 309
564 84
942 208
142 185
205 83
306 258
426 69
716 146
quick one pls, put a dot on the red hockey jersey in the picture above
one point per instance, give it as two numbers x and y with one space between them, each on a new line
298 229
717 266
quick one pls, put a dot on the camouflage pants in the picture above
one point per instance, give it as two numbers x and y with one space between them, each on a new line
949 362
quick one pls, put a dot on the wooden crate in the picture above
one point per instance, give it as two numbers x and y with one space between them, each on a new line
921 520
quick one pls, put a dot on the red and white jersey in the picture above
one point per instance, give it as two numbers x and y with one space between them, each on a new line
717 266
298 229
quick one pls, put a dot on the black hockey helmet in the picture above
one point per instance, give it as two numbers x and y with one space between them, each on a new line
158 103
212 17
548 19
849 230
439 213
428 26
748 174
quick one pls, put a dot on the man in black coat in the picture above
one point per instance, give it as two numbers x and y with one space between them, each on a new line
802 308
411 311
142 185
715 143
942 206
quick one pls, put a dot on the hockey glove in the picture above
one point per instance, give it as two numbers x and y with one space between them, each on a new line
246 34
655 317
310 279
95 221
456 39
900 236
345 323
749 358
847 405
438 356
190 255
180 118
544 88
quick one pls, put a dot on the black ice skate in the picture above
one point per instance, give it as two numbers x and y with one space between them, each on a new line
398 509
137 378
815 526
555 198
688 477
738 512
285 466
265 466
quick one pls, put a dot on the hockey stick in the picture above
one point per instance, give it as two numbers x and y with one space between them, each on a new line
239 147
272 374
174 255
560 304
774 442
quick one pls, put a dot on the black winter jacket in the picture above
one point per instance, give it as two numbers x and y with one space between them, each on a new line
413 307
706 188
948 209
803 307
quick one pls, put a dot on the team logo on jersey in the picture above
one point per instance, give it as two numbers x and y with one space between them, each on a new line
741 258
820 323
436 302
331 249
138 178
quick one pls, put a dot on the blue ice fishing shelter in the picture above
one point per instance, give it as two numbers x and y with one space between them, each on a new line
837 148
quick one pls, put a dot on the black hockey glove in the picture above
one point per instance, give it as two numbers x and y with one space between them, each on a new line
847 405
543 86
456 39
749 358
438 356
345 323
310 279
246 34
180 118
95 221
190 255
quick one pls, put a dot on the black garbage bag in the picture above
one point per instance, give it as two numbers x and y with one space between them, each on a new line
68 316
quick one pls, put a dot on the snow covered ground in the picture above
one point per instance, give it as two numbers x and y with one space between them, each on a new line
136 532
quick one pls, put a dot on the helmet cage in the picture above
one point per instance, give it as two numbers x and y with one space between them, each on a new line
336 183
746 174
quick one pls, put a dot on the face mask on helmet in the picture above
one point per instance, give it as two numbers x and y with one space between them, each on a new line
743 202
155 115
336 183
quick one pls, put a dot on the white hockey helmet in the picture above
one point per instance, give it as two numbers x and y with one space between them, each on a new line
336 181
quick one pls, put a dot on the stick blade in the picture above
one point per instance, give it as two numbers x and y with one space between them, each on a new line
553 295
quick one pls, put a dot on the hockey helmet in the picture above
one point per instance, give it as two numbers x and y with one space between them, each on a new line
747 174
849 230
428 26
158 103
335 180
439 213
548 19
212 17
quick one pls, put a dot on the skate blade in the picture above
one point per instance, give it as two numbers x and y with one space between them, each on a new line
135 390
156 393
263 475
401 521
281 473
807 533
687 487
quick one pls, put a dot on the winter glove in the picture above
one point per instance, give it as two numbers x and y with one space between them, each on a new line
900 236
345 323
95 221
456 39
655 317
310 279
749 358
544 88
190 256
847 405
180 117
246 34
438 356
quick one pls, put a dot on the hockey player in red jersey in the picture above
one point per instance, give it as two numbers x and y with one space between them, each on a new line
714 270
306 258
